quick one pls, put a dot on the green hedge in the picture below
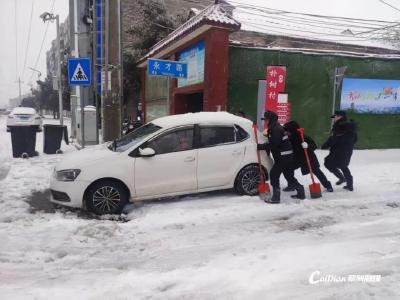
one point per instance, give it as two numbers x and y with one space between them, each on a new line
309 85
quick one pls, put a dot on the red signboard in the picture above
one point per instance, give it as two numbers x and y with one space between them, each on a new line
275 80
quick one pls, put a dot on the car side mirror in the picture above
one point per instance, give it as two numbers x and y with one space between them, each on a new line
147 152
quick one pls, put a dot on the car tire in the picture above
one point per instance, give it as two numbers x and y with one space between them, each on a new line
106 197
247 180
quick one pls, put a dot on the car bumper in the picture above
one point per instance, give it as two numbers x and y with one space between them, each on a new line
68 193
14 122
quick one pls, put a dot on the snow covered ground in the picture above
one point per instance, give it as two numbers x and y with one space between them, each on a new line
210 246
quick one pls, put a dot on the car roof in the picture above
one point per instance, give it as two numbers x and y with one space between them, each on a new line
206 118
24 110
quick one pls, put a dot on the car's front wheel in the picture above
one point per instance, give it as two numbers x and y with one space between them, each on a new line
106 197
247 180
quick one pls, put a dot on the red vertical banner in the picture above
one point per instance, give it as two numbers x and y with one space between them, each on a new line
275 81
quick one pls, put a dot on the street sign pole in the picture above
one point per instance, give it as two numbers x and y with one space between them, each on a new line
60 100
77 88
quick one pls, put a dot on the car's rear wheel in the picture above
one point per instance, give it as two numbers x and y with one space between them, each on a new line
247 181
106 197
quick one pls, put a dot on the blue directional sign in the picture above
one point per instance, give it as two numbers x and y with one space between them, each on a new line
79 71
158 67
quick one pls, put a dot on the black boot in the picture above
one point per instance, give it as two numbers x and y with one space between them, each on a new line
276 196
289 188
349 184
340 181
339 175
300 193
329 187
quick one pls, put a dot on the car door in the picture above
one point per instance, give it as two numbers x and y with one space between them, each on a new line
173 167
220 155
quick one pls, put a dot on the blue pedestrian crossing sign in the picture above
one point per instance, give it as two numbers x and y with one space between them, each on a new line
79 71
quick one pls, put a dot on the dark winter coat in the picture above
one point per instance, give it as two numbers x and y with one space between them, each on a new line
341 142
278 142
298 150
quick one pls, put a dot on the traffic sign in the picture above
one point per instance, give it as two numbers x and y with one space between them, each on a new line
79 71
159 67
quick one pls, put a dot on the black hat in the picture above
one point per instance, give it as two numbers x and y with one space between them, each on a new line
341 113
268 114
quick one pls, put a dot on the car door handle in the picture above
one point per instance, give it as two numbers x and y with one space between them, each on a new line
237 152
189 159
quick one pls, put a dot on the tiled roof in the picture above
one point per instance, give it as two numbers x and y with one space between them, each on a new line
213 15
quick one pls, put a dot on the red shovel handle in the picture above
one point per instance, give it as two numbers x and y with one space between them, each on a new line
301 132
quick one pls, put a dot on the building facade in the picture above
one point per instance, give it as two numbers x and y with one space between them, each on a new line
228 72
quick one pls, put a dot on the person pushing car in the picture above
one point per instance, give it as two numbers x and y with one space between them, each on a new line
279 145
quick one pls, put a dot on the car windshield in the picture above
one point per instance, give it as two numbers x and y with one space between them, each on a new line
133 138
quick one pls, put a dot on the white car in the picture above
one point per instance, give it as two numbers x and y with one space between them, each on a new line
24 116
170 156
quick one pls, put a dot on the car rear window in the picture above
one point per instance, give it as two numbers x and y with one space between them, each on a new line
23 111
241 134
216 135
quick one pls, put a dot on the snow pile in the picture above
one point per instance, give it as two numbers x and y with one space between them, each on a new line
210 246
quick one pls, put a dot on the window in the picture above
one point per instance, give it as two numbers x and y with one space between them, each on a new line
179 140
216 135
241 134
134 137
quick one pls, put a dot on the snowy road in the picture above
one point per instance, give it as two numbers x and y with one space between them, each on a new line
213 246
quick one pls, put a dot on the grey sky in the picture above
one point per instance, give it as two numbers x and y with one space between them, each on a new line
369 9
8 75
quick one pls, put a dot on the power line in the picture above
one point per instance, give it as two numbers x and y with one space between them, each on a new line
388 4
28 41
295 30
16 39
307 21
44 38
302 27
277 11
280 32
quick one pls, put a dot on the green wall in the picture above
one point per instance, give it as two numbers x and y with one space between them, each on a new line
309 85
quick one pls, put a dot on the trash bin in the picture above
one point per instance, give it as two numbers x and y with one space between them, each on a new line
52 135
23 139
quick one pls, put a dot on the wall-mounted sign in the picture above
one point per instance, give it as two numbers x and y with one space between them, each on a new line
194 57
374 96
159 67
283 109
275 81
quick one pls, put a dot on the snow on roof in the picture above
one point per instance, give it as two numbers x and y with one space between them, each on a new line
313 51
313 28
215 118
213 14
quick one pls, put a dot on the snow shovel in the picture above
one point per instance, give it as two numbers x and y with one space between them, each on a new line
315 188
264 190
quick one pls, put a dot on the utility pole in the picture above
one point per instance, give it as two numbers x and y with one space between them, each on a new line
77 88
337 80
50 17
19 88
111 101
60 100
